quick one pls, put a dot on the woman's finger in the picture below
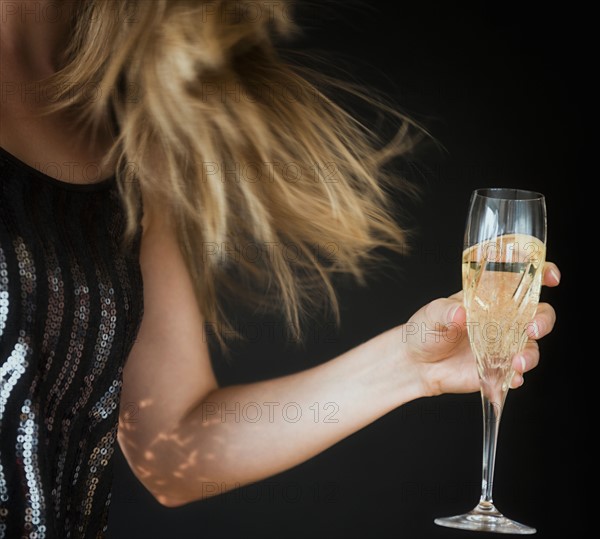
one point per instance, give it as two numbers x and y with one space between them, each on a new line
524 361
551 274
543 322
527 359
517 381
443 311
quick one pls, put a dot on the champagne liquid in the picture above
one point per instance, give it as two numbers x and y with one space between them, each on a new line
502 278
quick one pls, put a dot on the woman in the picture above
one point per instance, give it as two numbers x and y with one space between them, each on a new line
180 117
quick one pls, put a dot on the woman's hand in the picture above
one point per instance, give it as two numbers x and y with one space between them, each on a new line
437 343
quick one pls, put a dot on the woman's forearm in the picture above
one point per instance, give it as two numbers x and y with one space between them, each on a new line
245 433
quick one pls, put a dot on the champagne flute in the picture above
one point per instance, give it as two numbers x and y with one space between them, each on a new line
502 270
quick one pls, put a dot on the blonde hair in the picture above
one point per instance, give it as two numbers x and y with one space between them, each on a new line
273 187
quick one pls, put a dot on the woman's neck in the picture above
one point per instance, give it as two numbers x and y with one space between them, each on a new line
34 34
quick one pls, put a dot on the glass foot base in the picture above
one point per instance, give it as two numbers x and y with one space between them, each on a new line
485 518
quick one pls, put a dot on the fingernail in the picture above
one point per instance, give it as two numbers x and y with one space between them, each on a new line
453 313
523 363
555 274
535 329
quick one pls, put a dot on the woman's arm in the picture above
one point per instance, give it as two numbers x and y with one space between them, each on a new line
186 439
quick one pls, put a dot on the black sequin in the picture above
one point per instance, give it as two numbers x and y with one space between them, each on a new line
70 308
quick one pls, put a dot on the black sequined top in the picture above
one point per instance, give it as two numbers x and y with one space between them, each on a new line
70 307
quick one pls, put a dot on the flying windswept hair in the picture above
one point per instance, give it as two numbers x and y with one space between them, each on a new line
272 187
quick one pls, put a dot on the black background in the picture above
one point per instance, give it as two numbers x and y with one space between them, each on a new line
498 85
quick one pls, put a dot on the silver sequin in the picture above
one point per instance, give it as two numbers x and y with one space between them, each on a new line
3 292
27 450
71 303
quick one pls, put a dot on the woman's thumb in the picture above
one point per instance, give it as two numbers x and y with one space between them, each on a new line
444 311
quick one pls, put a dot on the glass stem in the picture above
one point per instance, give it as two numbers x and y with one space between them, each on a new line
492 399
